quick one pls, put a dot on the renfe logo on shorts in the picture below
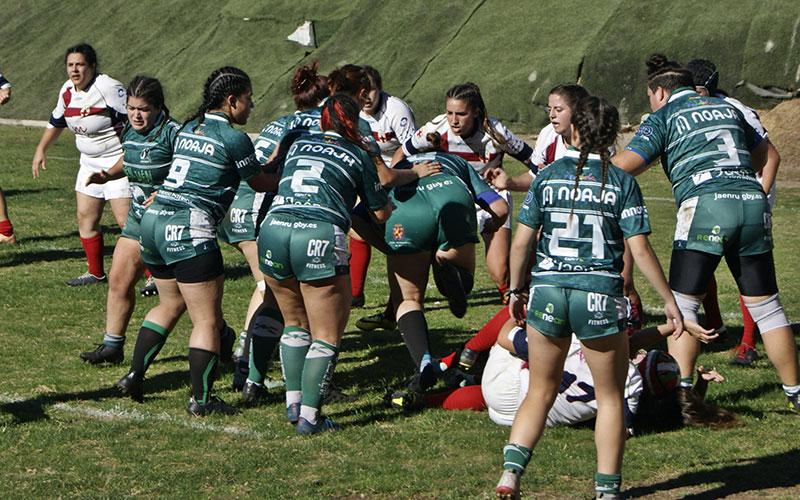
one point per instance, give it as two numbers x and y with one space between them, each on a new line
173 232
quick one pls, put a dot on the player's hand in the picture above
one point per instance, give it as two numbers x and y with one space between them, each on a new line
700 333
5 95
426 168
97 178
674 318
516 308
39 161
150 199
497 177
711 375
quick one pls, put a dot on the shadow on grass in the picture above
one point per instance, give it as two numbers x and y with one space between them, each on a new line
10 193
20 256
781 470
35 409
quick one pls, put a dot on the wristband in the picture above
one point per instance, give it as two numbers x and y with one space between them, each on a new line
513 291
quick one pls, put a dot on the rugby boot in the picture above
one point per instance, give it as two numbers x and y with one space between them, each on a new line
132 385
214 405
149 289
508 487
323 424
86 278
253 394
103 354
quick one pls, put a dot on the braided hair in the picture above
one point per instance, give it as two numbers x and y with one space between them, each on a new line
149 89
470 93
667 74
658 61
308 87
340 114
220 84
597 124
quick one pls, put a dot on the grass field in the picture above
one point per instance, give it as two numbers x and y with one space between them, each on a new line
65 433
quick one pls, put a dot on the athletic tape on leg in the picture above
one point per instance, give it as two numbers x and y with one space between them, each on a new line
768 314
688 305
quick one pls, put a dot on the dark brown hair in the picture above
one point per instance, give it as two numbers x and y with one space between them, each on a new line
149 89
470 93
349 79
221 83
308 87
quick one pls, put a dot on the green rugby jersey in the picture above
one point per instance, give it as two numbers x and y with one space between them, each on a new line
582 238
704 144
452 167
271 135
322 176
147 157
308 122
208 162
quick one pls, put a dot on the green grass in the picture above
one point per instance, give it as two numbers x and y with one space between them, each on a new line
63 431
516 51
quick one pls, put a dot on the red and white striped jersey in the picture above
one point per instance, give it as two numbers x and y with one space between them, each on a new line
392 124
96 115
549 147
478 149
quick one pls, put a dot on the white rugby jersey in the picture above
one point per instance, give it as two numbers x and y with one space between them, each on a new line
96 115
392 124
478 149
576 401
549 147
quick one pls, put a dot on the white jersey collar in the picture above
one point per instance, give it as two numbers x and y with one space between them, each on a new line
682 92
217 117
573 153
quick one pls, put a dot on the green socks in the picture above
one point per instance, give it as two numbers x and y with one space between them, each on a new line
607 483
294 345
317 372
202 371
516 457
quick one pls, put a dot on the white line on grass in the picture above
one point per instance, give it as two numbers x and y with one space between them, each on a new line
118 413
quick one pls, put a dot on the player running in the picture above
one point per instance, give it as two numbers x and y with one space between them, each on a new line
178 233
92 106
303 254
585 208
147 143
710 155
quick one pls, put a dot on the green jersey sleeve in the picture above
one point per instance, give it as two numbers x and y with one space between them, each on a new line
242 154
650 140
530 213
633 218
371 190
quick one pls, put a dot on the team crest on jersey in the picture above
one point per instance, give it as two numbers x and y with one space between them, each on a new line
645 131
145 154
398 231
85 111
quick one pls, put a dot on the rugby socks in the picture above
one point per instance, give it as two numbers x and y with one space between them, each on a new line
317 372
607 483
516 457
487 335
711 306
147 273
414 329
790 390
360 255
265 330
202 371
294 345
462 398
686 382
6 229
149 342
749 329
115 342
93 247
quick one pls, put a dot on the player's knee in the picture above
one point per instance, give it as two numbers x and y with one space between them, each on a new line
688 304
768 314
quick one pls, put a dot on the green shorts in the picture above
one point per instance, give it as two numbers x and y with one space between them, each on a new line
558 312
720 223
307 250
430 215
132 229
241 221
170 234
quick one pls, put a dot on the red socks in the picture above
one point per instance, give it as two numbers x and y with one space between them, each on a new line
487 335
147 273
94 254
360 253
711 306
6 229
462 398
749 330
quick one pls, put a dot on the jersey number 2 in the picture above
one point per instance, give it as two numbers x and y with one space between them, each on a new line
299 177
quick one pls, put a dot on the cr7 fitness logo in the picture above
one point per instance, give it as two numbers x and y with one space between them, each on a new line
547 315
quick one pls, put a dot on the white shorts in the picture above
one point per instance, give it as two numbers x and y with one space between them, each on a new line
110 190
484 216
504 385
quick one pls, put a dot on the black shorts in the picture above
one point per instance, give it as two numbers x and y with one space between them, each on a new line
203 267
690 272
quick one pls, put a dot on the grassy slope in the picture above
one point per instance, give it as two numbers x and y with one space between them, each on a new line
421 47
50 447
